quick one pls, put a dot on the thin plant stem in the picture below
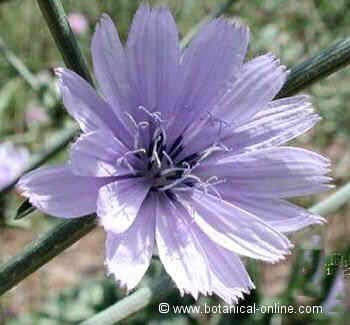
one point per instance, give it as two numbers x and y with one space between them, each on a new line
43 250
317 67
67 44
150 294
19 66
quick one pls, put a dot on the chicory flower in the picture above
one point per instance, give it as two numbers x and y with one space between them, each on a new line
182 153
13 160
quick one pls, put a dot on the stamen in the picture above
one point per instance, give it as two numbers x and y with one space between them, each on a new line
178 181
155 154
171 185
160 132
137 139
124 159
156 116
209 185
213 120
176 152
212 178
206 153
170 161
176 143
183 189
131 118
168 171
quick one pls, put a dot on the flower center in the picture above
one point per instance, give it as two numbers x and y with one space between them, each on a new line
153 157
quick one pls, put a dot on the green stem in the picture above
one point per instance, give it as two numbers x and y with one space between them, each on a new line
323 208
332 203
66 42
19 66
138 300
3 1
43 250
317 67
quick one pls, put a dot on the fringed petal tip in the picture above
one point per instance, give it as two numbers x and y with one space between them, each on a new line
122 285
63 75
230 295
282 257
105 18
24 189
105 22
122 278
276 62
318 220
59 72
55 190
237 24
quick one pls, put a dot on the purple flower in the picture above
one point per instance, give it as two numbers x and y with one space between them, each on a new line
12 162
181 153
335 299
335 296
78 23
36 114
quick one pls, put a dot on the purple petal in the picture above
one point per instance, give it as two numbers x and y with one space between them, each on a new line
236 229
96 154
58 192
266 129
179 250
119 203
212 59
128 254
274 172
86 107
229 276
277 213
195 263
259 82
153 60
110 65
284 120
13 160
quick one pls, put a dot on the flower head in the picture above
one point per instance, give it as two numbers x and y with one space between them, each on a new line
36 114
78 22
182 152
12 162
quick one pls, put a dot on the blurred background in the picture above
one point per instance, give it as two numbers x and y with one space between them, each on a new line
73 286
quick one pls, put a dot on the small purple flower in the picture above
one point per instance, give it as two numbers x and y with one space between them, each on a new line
336 295
36 114
78 23
12 162
181 154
